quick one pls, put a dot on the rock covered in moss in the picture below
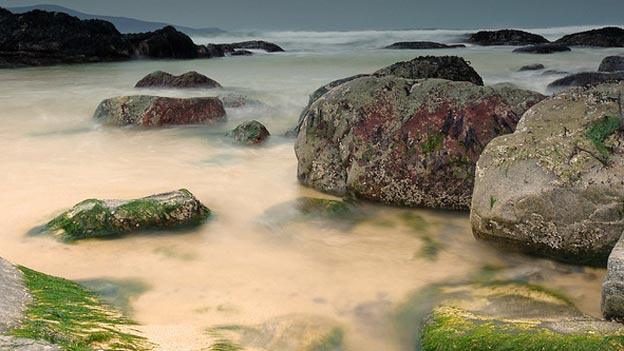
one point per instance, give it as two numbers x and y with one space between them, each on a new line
612 303
511 316
156 111
250 133
554 187
95 218
160 79
403 141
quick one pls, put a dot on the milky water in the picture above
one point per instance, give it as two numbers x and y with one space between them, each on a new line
258 258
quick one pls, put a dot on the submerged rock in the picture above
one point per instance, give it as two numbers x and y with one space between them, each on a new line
404 141
510 316
554 187
95 218
586 79
612 64
603 37
542 49
532 67
506 37
250 133
612 303
156 111
443 67
420 45
160 79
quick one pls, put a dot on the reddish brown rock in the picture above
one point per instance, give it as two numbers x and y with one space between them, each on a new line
156 111
404 141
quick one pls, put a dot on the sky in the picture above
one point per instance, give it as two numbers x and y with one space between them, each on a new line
354 14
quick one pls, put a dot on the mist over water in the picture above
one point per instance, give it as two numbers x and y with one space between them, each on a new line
259 258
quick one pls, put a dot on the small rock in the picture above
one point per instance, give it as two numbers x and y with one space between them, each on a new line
542 49
252 45
532 67
191 80
612 64
421 45
250 133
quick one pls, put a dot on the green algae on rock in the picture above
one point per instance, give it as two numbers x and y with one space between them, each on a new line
512 316
250 133
95 218
65 314
557 180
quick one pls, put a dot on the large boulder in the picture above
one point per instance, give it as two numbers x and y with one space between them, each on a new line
163 43
421 45
96 218
156 111
250 133
612 64
603 37
585 79
554 187
43 38
506 37
404 141
612 303
192 80
443 67
542 49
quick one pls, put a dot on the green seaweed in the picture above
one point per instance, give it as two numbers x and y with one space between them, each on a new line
492 202
433 143
599 131
64 313
323 207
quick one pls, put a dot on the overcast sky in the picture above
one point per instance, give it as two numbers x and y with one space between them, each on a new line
353 14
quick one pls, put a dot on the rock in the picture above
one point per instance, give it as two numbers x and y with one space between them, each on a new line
512 316
252 45
612 64
585 79
9 343
163 43
506 37
192 80
420 45
612 304
404 141
250 133
38 38
156 111
443 67
95 218
554 187
542 49
210 50
603 37
532 67
14 297
237 101
241 53
552 72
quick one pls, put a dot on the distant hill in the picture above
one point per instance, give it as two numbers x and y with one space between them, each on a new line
123 24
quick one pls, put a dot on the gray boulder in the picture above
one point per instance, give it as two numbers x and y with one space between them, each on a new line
189 80
612 303
156 111
554 187
612 64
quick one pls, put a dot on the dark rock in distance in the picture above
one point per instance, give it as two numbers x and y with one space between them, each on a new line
532 67
586 79
252 45
612 64
241 53
506 37
163 43
190 80
542 49
421 45
603 37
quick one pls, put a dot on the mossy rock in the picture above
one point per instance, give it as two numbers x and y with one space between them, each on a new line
65 314
95 218
512 316
250 133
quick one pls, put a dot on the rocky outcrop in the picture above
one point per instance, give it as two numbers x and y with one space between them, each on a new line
542 49
585 79
604 37
156 111
95 218
421 45
250 133
163 43
554 187
506 37
442 67
191 80
532 67
612 64
612 304
404 141
14 297
512 316
251 45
